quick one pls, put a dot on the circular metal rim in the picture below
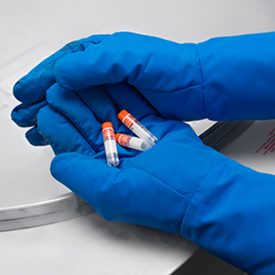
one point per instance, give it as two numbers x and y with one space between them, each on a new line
33 214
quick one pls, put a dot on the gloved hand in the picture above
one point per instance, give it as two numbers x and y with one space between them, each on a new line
31 88
179 186
230 78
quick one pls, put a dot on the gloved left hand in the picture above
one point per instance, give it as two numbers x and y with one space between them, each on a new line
179 186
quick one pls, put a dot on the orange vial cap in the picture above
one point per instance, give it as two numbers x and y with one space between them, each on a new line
107 124
122 114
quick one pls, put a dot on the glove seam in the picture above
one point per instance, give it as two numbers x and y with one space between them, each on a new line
170 91
202 80
94 146
167 185
184 197
57 110
195 194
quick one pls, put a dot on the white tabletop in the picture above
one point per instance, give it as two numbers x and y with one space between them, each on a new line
255 148
91 245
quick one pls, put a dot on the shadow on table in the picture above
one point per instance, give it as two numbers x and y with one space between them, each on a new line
203 263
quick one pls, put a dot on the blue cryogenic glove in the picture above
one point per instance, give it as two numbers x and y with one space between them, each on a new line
31 88
180 185
228 78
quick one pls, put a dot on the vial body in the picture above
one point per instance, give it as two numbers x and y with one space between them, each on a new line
132 142
110 144
136 127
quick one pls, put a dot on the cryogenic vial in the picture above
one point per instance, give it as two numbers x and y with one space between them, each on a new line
110 144
136 127
132 142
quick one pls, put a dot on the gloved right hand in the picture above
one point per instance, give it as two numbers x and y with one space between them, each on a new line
180 185
230 78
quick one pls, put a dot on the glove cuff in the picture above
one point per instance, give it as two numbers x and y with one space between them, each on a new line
238 76
183 97
231 215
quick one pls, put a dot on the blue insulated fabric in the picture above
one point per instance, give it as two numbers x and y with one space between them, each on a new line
228 78
30 90
232 215
239 77
141 190
180 185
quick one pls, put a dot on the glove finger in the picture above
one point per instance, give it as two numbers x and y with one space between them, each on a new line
80 112
60 133
69 104
86 176
85 69
104 63
149 63
25 115
97 99
100 104
32 87
127 97
35 138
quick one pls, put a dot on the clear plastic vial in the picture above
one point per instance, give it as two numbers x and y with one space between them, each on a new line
110 144
136 127
132 142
